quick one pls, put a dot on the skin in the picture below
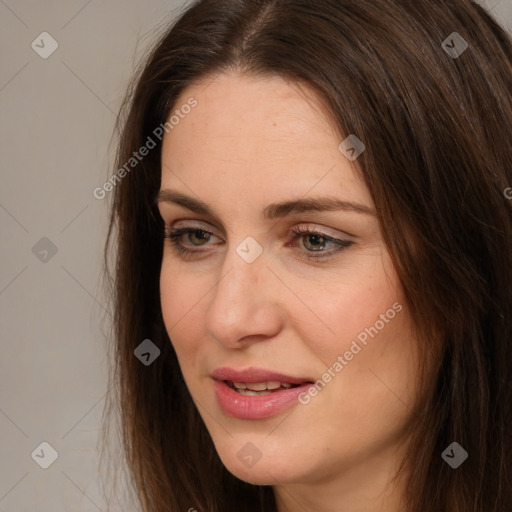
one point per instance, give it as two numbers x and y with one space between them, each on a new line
248 143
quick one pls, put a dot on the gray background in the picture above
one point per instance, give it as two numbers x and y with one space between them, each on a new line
57 118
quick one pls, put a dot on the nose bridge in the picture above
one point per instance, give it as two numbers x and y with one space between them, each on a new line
241 304
238 282
243 270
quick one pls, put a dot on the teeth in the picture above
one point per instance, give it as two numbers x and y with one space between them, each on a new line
257 386
260 386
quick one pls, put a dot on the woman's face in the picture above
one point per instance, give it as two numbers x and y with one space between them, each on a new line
287 282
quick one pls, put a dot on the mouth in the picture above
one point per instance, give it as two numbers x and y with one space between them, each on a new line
257 376
256 393
259 388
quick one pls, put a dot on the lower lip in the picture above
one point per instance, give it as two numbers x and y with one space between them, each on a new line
256 407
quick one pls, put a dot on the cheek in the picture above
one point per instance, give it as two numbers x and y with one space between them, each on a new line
180 298
350 308
373 355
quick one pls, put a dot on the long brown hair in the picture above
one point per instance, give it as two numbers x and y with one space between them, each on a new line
437 125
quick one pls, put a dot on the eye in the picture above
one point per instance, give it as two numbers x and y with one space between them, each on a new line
187 241
317 242
196 236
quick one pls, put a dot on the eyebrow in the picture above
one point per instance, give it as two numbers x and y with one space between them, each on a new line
272 211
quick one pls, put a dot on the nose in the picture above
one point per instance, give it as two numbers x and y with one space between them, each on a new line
244 304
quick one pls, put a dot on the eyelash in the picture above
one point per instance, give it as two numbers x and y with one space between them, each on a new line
174 237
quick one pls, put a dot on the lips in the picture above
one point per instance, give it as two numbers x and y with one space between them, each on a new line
256 393
255 375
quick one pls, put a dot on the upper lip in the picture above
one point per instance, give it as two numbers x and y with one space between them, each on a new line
255 375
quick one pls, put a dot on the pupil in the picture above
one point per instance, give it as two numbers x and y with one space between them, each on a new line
202 237
314 240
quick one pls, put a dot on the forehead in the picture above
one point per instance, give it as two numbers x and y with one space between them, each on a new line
261 133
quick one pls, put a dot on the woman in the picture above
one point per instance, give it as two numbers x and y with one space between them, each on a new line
313 278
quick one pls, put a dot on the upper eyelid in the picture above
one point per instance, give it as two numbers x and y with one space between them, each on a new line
300 230
201 225
328 232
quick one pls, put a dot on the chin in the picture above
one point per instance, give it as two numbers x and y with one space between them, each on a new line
259 474
257 466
